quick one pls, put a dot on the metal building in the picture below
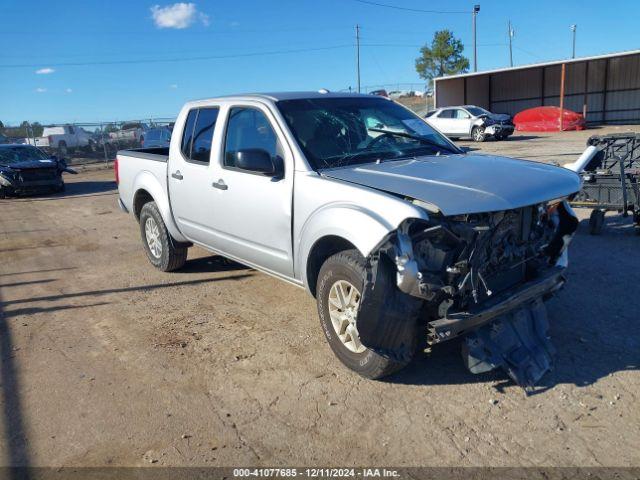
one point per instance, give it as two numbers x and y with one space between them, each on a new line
605 88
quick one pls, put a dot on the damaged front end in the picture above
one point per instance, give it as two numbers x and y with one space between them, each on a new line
480 275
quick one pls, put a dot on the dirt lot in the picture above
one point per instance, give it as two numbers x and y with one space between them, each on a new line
106 361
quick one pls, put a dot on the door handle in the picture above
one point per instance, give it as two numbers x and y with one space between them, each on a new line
177 175
220 185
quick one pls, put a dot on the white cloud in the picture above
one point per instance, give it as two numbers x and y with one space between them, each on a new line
179 15
40 90
45 71
234 24
173 85
68 90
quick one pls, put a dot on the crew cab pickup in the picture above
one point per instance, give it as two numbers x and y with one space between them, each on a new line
402 238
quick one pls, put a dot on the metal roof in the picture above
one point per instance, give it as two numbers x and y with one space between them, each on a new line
544 64
277 96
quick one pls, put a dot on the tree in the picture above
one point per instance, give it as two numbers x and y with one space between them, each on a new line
443 57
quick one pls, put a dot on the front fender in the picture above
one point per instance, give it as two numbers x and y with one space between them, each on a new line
148 182
363 228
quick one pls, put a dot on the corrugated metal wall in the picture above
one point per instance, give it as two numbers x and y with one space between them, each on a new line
607 89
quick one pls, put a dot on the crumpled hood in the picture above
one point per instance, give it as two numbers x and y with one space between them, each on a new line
30 164
498 117
460 184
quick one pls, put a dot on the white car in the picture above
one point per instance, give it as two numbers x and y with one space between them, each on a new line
471 121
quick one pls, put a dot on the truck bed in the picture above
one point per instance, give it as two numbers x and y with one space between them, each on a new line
157 154
134 164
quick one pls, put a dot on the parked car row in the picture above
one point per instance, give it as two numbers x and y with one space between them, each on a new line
64 138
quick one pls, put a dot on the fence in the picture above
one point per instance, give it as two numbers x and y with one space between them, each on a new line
91 142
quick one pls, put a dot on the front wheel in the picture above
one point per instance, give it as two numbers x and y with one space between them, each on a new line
478 134
340 284
162 250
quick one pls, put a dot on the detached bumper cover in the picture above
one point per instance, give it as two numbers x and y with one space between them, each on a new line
518 342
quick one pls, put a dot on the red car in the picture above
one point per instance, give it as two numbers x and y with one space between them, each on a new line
547 119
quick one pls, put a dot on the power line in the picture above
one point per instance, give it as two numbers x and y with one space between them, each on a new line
217 57
407 9
176 60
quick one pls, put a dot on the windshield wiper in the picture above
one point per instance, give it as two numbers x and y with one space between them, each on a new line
414 137
345 159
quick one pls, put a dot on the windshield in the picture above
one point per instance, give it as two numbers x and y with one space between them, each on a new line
477 111
9 155
334 132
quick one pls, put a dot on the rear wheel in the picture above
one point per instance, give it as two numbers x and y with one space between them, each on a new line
478 134
162 250
340 284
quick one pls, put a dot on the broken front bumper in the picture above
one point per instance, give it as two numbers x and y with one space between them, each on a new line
499 130
459 323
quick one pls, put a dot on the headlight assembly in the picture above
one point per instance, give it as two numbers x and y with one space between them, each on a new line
6 180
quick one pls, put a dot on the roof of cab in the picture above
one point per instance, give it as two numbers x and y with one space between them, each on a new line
278 96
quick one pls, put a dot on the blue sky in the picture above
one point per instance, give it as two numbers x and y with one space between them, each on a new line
44 35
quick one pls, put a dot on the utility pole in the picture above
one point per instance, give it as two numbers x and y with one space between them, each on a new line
573 29
511 34
358 55
476 9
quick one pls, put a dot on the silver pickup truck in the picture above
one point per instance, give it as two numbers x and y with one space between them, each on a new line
404 240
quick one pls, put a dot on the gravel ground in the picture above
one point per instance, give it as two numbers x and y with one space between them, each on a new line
106 361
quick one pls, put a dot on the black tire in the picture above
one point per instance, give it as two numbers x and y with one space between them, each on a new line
477 133
596 222
349 265
173 254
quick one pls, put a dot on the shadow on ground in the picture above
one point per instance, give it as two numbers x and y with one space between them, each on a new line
13 423
213 263
73 189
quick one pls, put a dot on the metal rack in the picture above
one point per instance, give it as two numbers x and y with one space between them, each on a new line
611 180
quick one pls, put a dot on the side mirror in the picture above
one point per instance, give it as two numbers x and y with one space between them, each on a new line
255 160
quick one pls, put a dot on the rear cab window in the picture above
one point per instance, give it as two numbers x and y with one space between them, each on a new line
198 134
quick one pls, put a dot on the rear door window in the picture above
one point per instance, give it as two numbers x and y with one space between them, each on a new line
446 114
187 135
203 134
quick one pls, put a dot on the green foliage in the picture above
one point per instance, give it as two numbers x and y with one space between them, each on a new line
443 57
25 130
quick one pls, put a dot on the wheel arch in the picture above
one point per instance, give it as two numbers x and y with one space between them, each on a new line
335 228
148 189
322 249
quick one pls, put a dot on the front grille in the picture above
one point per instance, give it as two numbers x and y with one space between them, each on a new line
38 174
